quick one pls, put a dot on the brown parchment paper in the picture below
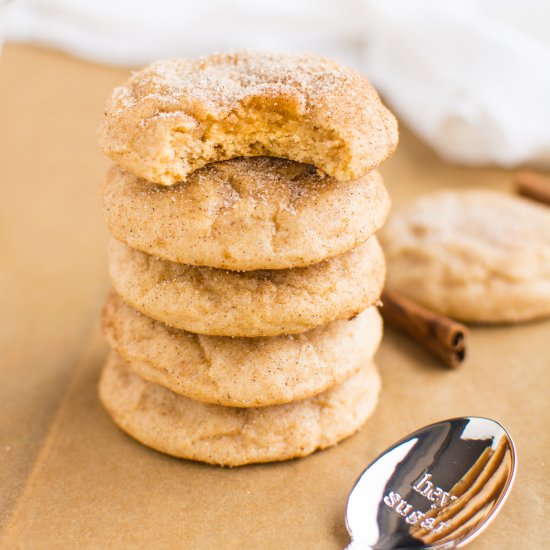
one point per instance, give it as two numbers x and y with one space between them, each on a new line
70 479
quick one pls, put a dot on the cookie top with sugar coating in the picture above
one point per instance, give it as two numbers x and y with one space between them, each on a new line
217 302
245 214
175 116
476 255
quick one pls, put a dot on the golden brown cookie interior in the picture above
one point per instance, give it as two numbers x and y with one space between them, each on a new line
176 116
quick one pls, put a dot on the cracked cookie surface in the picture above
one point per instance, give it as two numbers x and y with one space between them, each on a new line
245 214
230 436
176 116
241 372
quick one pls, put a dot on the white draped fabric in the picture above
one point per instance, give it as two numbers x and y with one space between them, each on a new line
471 77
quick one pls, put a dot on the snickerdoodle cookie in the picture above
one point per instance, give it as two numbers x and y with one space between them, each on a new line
232 436
212 301
241 372
476 255
173 117
245 214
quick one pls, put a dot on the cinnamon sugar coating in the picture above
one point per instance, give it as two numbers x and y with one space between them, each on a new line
231 436
176 116
252 303
245 214
241 372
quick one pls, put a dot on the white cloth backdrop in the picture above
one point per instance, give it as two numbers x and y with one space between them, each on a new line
472 77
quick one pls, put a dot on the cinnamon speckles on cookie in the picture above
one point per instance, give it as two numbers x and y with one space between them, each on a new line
245 214
176 116
243 209
230 436
252 303
241 372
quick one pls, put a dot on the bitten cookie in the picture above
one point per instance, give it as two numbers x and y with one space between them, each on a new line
231 436
252 303
474 255
245 214
176 116
241 372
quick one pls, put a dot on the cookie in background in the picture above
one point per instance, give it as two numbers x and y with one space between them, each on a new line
474 255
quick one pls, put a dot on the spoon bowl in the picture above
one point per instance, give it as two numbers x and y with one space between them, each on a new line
438 488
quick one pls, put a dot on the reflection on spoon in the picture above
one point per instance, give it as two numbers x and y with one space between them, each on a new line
438 488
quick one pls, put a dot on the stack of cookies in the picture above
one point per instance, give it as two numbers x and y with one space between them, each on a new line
242 206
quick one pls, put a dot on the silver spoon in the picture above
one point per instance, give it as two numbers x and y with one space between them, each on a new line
439 487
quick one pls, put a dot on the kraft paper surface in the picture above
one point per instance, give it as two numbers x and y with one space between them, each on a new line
70 479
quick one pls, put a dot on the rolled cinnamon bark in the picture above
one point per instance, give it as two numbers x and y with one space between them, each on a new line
533 186
441 336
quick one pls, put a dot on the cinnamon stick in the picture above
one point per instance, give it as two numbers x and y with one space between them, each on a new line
441 336
533 186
